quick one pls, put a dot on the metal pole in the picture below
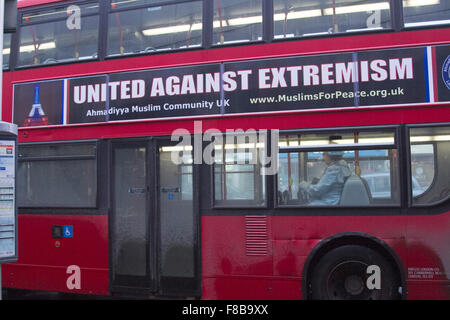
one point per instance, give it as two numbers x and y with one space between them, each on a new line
2 16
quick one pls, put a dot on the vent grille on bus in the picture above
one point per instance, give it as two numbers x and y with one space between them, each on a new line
256 237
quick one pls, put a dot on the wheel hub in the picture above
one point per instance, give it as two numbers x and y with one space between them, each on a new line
354 285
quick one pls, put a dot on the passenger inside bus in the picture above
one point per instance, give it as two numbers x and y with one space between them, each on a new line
328 189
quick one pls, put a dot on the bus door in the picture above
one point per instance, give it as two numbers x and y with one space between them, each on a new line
154 224
130 234
178 220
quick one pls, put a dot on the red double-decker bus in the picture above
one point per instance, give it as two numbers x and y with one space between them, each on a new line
232 149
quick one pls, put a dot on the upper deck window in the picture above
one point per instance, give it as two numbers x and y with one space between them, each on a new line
6 50
58 35
237 21
153 28
299 18
419 13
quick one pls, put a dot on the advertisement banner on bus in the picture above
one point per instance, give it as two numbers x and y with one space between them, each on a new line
159 93
342 80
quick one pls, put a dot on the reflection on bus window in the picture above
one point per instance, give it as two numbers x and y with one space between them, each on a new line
186 182
422 167
6 50
237 21
176 205
63 175
238 179
430 170
120 4
295 18
64 34
184 170
155 28
419 13
333 176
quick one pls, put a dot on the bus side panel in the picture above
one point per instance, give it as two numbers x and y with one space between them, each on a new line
230 272
77 262
251 288
429 256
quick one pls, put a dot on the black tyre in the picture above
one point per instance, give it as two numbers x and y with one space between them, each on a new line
342 274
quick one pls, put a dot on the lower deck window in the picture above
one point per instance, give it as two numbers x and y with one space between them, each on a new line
430 157
238 177
59 175
349 169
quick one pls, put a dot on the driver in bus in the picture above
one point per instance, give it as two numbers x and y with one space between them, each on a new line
327 191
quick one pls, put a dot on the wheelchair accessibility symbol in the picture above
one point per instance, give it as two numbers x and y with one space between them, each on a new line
68 231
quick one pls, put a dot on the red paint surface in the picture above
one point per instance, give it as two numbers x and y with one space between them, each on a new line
229 273
42 263
31 3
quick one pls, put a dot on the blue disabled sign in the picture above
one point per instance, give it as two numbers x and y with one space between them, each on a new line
68 231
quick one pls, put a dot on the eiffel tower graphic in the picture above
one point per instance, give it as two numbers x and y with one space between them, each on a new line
37 116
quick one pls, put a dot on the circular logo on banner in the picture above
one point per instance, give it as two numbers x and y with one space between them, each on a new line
446 72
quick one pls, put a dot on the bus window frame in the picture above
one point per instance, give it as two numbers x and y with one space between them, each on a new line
409 174
15 40
236 204
395 20
161 3
418 25
266 27
330 130
96 208
58 5
10 36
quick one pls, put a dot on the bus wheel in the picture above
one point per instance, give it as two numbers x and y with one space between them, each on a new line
353 272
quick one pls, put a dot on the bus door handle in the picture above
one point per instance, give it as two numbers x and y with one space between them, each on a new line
137 190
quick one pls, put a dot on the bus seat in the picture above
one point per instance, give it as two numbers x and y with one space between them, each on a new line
355 192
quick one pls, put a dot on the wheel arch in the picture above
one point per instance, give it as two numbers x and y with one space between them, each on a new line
350 238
